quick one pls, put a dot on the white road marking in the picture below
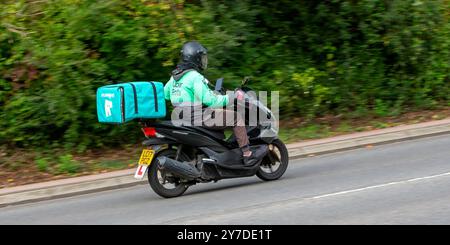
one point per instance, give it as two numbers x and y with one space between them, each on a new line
381 185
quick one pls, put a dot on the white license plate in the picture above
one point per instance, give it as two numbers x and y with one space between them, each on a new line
140 171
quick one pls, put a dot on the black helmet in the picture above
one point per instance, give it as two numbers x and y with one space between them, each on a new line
194 53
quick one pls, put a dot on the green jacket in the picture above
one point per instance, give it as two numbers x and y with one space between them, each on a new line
192 88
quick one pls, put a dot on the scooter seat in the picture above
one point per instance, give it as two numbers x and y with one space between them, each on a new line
218 134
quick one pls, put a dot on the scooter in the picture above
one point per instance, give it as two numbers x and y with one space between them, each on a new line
177 157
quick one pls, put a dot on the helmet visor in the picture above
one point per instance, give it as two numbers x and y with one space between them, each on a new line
204 61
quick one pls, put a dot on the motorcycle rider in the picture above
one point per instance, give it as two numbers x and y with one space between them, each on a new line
188 89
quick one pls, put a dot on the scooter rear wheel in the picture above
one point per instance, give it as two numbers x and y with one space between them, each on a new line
275 162
157 179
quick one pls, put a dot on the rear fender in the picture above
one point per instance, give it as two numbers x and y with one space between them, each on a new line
158 141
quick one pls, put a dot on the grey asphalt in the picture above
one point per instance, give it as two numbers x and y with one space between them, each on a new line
400 183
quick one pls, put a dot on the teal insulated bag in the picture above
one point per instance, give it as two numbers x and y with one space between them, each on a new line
123 102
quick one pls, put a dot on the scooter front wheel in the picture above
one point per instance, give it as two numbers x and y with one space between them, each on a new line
163 183
275 163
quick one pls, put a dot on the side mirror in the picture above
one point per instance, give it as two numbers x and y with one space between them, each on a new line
219 84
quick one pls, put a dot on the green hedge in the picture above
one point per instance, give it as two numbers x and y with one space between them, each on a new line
349 57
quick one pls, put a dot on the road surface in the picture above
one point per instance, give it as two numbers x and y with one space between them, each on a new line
400 183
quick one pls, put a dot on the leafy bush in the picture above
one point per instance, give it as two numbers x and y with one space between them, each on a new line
42 164
68 165
351 57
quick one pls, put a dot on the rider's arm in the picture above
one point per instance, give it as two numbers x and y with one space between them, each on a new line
207 96
167 89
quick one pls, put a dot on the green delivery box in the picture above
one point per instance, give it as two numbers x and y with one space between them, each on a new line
123 102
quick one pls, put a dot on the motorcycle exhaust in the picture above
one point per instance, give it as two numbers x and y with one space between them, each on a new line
177 168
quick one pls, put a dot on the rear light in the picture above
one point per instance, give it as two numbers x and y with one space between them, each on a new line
149 132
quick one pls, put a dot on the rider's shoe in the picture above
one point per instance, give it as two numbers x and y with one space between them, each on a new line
256 156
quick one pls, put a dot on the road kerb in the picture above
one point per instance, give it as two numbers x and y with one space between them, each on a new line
124 178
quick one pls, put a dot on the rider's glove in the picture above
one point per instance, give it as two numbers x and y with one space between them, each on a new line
237 97
239 94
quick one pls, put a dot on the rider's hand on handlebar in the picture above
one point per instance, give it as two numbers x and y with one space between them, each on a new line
239 94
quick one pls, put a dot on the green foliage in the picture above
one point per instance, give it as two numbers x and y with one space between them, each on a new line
381 109
111 164
68 165
338 56
42 164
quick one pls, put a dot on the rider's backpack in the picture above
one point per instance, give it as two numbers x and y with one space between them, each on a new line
123 102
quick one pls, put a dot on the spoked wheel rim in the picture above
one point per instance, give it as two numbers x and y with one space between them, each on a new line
275 163
166 180
272 162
